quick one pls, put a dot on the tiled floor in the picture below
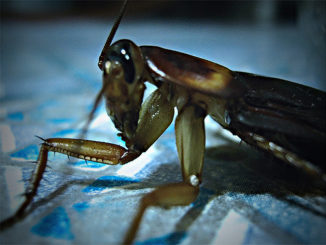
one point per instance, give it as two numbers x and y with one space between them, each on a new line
49 78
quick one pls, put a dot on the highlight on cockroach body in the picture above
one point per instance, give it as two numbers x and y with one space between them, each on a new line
275 116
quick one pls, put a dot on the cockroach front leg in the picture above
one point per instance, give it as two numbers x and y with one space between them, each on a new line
155 116
84 149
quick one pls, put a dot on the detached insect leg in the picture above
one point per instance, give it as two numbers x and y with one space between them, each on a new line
190 137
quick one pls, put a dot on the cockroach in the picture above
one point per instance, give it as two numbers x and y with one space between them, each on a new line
284 119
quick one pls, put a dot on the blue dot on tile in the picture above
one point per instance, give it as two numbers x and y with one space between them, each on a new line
171 238
56 225
65 132
29 153
108 182
16 116
60 120
88 164
80 206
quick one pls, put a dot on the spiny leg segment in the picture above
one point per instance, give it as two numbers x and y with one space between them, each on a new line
84 149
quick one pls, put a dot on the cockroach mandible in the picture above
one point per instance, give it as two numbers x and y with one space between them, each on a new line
276 116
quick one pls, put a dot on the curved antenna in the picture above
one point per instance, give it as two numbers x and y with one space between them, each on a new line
112 33
90 117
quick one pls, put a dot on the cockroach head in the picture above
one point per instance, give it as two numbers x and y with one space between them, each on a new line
123 85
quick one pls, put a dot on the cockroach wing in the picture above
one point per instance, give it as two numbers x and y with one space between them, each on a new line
281 113
191 72
275 115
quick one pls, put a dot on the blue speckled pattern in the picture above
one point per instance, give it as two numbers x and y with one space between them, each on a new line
56 225
49 78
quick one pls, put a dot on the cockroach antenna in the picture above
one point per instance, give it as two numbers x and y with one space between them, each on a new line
40 138
112 33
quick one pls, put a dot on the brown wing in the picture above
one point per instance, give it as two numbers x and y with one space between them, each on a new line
192 72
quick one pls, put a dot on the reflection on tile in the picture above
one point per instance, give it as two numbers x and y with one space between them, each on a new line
233 230
15 186
8 141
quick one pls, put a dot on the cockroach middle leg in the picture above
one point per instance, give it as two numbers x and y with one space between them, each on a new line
190 137
176 194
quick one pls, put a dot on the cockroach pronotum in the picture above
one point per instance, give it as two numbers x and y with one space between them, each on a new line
282 118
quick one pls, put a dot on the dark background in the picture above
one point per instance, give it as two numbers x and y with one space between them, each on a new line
271 12
307 17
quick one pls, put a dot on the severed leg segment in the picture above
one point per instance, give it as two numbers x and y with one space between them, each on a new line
190 137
